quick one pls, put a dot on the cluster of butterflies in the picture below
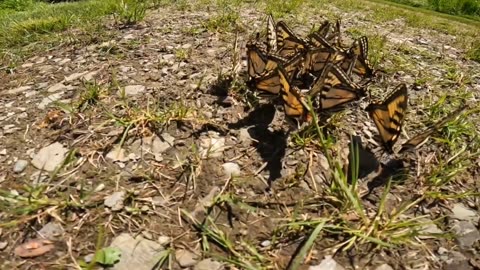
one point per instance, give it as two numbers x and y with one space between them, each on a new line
322 69
319 67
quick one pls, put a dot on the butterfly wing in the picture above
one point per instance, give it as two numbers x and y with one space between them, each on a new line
316 59
287 42
270 82
316 40
419 139
335 88
271 35
359 54
256 61
293 103
293 65
324 29
389 115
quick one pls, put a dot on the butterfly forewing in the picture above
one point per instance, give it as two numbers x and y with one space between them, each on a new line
324 29
419 139
334 88
389 115
359 51
257 61
271 35
288 43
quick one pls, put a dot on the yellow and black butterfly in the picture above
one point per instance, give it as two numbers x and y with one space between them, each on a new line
315 60
389 115
328 32
421 138
262 69
258 63
293 102
358 58
323 29
288 44
271 35
334 35
316 40
334 88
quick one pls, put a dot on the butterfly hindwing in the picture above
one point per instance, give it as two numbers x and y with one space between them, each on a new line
293 103
334 88
389 115
269 82
316 59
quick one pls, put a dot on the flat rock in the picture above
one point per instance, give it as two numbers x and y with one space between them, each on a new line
90 75
49 157
117 154
19 89
461 212
164 240
208 264
20 165
47 100
56 87
185 258
115 200
64 61
466 234
52 231
168 57
137 253
75 76
244 136
152 145
132 90
457 261
429 230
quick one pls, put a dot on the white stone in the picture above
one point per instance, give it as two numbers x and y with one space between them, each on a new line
48 158
132 90
137 253
231 169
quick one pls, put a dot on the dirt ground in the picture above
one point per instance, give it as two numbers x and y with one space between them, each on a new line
154 112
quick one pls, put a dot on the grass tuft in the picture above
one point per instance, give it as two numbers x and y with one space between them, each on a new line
130 12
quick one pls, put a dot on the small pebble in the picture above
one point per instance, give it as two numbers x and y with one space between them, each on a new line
20 165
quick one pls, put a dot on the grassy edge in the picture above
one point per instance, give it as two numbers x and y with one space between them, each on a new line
456 18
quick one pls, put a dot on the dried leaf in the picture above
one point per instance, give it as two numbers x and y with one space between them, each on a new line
34 248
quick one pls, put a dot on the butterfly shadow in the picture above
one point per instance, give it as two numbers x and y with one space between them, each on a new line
271 145
369 167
